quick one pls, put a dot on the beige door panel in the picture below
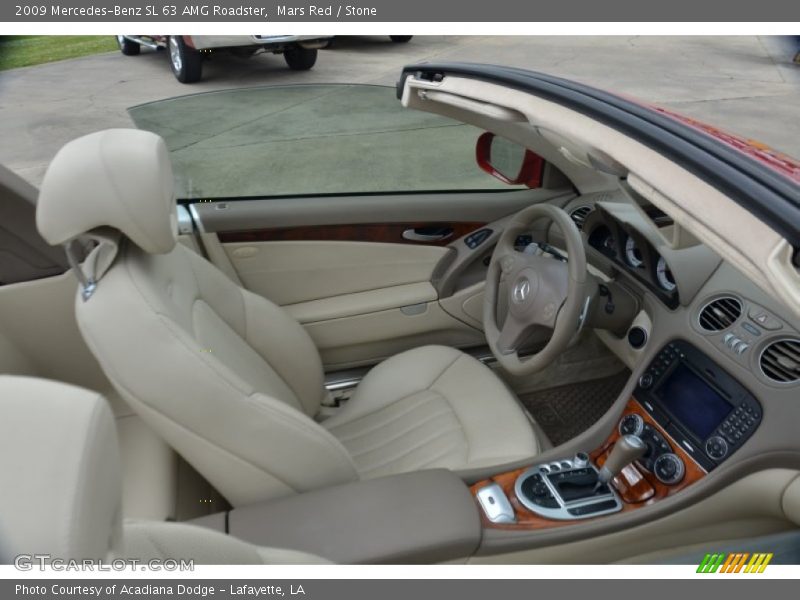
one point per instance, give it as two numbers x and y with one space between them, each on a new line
791 501
365 338
292 272
408 296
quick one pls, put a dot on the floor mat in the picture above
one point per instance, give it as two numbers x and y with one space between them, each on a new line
567 411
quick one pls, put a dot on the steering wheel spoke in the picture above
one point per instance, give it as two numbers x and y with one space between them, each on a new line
511 335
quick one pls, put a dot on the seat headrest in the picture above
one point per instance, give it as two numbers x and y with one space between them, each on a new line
59 471
119 178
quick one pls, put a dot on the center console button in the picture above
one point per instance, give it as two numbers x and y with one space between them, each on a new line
668 468
765 320
581 460
631 424
646 380
495 504
717 447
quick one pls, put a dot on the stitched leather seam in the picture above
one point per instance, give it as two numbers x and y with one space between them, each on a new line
391 419
386 442
419 445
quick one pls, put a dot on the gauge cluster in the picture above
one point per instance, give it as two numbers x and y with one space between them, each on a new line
630 251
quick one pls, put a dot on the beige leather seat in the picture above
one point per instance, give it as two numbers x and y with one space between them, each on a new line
227 377
61 482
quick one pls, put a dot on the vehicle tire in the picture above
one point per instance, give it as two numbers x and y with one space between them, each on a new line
400 39
186 62
300 59
127 47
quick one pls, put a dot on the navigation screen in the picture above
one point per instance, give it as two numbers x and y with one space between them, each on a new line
690 400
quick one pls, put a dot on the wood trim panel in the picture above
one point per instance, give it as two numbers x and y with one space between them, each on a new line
390 233
636 487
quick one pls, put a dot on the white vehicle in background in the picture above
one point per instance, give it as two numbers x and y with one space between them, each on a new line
187 52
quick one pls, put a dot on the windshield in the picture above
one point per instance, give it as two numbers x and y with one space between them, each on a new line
311 140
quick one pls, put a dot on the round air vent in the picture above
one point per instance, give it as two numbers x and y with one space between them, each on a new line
780 361
579 215
720 314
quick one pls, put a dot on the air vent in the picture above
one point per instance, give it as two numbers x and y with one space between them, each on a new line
780 361
720 314
579 215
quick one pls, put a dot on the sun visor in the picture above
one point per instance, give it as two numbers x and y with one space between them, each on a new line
582 154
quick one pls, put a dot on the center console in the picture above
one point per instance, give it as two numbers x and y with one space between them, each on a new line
687 416
702 408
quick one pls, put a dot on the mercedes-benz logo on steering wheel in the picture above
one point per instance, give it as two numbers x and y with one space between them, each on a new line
522 290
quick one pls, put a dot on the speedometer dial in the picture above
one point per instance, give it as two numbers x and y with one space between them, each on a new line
664 276
632 254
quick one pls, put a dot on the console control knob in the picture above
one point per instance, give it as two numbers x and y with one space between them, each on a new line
669 469
716 447
581 460
631 424
646 381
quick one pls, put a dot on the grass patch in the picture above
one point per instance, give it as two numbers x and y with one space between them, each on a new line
24 51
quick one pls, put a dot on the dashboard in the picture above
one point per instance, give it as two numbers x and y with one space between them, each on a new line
629 249
728 331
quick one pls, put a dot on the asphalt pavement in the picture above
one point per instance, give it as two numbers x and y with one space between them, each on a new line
747 85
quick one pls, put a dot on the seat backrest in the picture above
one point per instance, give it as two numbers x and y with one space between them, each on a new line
224 376
59 470
61 485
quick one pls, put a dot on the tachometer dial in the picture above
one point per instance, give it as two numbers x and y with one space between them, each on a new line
632 254
664 276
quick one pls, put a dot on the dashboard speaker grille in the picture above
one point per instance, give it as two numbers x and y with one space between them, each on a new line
780 361
720 314
579 215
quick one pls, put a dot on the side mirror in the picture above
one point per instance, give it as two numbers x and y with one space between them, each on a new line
508 161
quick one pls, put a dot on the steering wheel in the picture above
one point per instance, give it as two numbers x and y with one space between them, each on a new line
541 291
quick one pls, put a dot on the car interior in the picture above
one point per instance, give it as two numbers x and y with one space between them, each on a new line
600 364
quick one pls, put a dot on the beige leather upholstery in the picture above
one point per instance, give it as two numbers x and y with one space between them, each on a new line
121 178
59 470
223 375
147 540
791 501
233 383
431 406
61 496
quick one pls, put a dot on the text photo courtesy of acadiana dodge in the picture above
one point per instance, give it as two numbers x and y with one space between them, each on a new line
193 590
190 10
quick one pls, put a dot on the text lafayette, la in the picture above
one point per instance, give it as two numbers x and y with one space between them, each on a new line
159 590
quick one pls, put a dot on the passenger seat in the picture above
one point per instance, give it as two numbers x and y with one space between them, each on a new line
61 477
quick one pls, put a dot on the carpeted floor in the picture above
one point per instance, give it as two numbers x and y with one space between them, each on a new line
566 411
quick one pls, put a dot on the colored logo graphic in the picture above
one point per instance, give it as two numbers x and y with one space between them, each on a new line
735 562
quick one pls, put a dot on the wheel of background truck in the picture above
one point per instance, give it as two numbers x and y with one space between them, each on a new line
186 62
127 47
300 59
400 39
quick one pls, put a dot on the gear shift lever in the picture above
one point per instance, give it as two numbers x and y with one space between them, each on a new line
627 449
